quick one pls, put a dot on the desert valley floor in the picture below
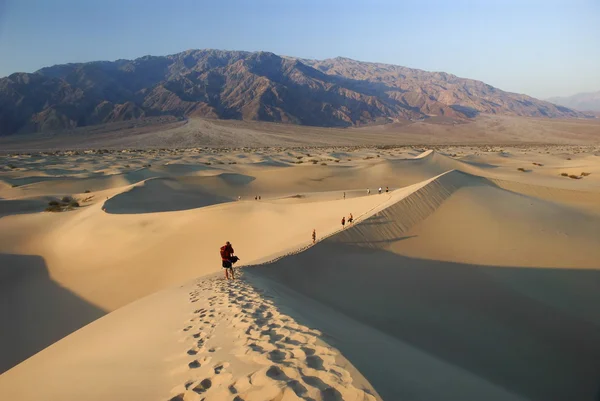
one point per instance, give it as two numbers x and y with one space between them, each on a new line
476 277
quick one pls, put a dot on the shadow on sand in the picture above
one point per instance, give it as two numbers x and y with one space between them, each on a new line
10 207
534 332
162 195
35 311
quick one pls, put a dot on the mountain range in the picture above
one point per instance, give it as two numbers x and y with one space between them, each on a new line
589 101
259 86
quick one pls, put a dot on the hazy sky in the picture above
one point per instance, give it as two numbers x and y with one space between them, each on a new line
538 47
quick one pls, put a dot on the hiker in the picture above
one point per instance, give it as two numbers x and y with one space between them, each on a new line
256 198
387 189
344 195
343 222
314 236
368 191
259 198
350 218
239 198
228 259
379 190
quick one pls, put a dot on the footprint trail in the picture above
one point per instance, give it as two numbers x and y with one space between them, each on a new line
239 347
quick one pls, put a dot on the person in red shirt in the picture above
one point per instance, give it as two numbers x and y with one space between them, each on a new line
228 259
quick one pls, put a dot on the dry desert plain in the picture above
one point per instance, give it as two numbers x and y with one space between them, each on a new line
476 277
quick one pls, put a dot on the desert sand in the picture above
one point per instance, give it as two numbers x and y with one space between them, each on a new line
475 277
198 132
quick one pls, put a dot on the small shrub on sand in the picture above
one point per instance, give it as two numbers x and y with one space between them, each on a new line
568 158
87 191
368 157
54 208
349 160
15 185
220 162
11 166
127 166
232 162
323 164
585 174
67 203
298 162
521 169
564 174
314 161
575 177
208 163
537 164
299 157
337 161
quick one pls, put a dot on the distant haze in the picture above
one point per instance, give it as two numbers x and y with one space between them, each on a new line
589 101
541 48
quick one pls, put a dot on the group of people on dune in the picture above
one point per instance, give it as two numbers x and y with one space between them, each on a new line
350 220
227 253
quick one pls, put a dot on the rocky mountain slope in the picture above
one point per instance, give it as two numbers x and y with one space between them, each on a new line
251 86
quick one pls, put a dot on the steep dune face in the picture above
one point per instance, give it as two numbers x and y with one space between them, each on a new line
498 288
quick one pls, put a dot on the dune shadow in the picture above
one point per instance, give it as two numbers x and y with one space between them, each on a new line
35 311
10 207
532 331
162 195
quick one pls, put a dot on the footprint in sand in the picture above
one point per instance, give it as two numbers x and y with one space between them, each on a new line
296 364
203 386
219 367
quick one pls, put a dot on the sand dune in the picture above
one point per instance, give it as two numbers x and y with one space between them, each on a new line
161 195
470 279
485 296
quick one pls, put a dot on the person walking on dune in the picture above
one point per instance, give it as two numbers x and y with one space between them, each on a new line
314 235
368 191
379 190
350 219
228 259
343 222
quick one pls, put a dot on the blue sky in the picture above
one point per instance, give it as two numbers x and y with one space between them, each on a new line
542 48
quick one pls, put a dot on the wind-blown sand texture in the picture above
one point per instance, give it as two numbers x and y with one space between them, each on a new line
475 277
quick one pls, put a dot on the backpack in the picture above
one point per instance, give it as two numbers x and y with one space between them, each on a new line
224 252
